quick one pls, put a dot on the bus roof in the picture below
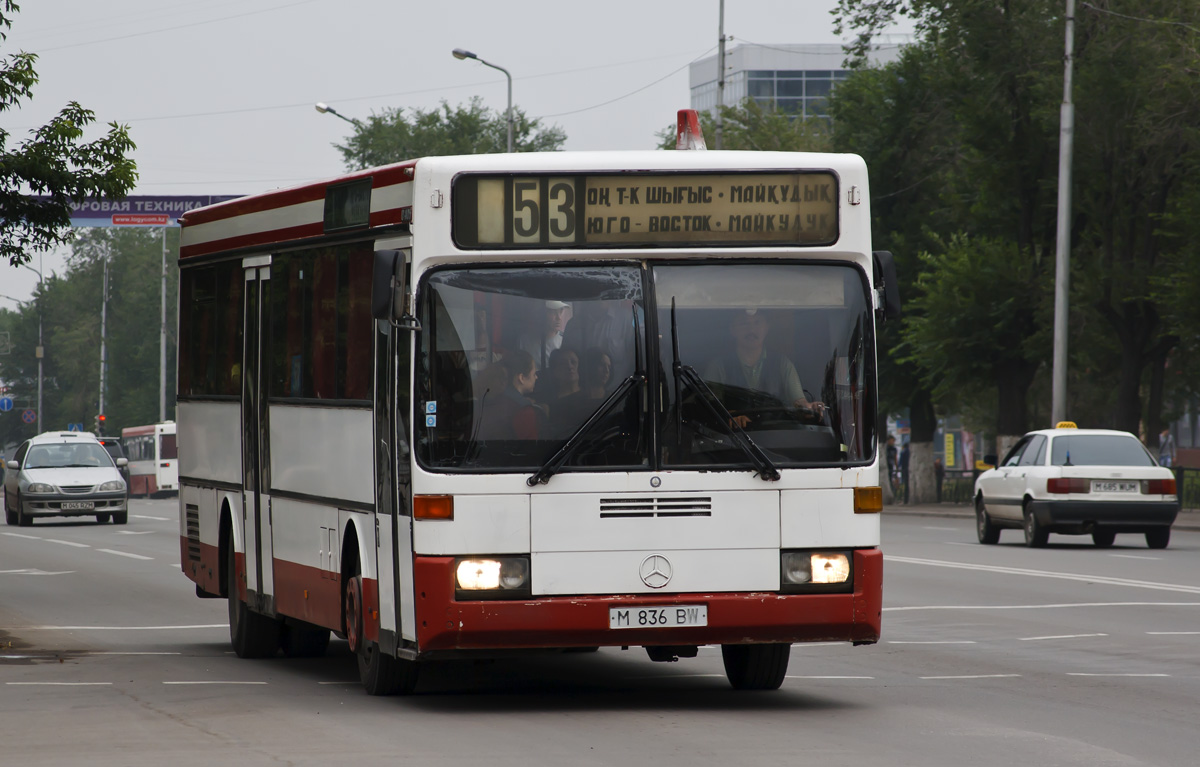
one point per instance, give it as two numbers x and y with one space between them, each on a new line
383 197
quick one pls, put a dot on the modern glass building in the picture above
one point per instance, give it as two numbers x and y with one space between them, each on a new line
796 79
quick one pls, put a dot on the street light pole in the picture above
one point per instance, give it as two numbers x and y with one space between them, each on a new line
1062 257
460 54
324 108
41 350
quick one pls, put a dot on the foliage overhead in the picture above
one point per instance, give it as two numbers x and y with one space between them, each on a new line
54 162
398 134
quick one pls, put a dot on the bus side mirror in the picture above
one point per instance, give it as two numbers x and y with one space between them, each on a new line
887 283
388 290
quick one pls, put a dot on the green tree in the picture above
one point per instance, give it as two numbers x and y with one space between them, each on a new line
54 162
398 134
70 307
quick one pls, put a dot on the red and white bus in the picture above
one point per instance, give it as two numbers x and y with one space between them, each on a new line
365 448
153 458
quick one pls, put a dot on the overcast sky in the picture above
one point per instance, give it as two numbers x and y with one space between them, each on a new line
219 95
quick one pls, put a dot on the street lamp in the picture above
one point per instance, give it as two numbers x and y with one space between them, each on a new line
324 108
460 54
41 352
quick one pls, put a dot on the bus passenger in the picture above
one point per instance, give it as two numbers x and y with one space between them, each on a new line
595 370
560 379
549 338
749 366
513 415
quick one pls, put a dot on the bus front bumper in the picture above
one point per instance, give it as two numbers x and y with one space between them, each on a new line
583 621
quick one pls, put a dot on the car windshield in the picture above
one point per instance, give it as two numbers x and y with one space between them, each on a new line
1099 450
79 454
513 361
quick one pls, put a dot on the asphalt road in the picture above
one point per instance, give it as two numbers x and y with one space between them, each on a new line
991 655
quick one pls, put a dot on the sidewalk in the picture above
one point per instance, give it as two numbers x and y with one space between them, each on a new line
1188 519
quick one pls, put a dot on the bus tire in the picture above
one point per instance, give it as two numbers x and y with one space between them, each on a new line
381 674
756 666
303 641
252 634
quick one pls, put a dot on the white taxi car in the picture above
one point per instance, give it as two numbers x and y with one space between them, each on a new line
1077 482
64 474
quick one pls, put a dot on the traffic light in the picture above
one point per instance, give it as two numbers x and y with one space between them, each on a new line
99 425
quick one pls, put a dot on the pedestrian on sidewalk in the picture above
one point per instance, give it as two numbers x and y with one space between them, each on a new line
891 457
1166 448
904 469
939 474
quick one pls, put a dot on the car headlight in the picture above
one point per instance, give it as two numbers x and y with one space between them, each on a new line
39 487
816 570
492 577
115 484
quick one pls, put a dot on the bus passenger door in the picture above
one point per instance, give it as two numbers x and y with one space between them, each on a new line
256 503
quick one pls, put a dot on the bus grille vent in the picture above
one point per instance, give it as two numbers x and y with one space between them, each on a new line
193 532
656 506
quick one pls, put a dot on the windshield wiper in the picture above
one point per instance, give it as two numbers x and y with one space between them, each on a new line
688 375
551 467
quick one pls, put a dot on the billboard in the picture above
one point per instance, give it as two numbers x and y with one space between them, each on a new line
139 210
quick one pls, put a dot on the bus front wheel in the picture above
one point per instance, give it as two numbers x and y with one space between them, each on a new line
756 666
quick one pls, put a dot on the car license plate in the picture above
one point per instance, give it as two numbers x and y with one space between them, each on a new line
1114 487
670 616
78 505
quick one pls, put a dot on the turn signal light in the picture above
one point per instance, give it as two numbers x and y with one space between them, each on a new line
868 500
433 507
1158 486
1068 485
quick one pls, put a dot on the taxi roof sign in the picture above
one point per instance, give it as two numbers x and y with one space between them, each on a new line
1065 425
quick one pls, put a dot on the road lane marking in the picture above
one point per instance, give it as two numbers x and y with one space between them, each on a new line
156 519
29 571
1135 556
124 554
1080 673
135 532
68 543
941 641
27 537
789 676
1055 606
59 684
214 682
114 628
1172 633
1060 636
1096 579
974 676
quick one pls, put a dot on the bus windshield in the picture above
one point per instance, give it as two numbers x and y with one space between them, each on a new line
514 361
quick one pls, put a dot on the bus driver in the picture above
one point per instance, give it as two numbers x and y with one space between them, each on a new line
750 366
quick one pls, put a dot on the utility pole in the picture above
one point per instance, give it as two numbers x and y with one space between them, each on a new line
720 122
162 338
103 358
1062 255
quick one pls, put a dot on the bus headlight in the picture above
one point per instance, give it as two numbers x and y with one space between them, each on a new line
492 577
815 570
39 487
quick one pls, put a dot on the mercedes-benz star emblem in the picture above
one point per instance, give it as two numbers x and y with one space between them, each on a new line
656 571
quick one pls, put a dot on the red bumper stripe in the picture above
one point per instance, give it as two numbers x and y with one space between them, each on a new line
444 624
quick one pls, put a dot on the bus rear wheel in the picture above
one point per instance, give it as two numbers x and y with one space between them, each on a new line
756 666
252 634
381 674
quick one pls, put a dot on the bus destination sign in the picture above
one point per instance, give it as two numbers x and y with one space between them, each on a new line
633 210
